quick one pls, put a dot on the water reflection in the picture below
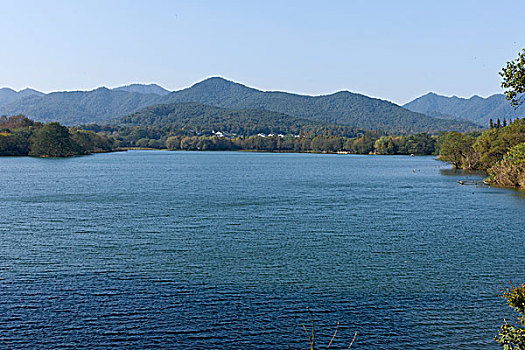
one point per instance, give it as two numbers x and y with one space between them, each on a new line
459 172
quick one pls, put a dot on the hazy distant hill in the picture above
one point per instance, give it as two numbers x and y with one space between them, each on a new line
9 95
144 89
79 107
204 118
476 109
343 108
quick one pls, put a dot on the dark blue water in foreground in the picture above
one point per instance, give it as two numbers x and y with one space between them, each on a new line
226 250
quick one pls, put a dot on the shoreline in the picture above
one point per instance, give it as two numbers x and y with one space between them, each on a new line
125 149
482 173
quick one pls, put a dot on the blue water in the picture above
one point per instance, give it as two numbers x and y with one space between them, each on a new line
184 250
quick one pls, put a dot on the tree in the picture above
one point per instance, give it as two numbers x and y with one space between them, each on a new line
512 337
92 142
16 122
53 140
173 142
493 144
457 149
514 79
15 144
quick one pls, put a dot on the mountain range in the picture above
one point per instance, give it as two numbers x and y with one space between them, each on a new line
475 109
8 95
343 108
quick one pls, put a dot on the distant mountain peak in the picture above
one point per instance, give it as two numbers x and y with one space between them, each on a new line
218 81
432 94
29 90
217 86
8 95
476 108
218 78
429 95
143 89
342 93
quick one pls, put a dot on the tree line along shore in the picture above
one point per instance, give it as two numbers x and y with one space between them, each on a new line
499 151
20 136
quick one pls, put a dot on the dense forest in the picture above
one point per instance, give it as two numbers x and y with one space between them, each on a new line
200 119
500 151
20 136
195 126
316 139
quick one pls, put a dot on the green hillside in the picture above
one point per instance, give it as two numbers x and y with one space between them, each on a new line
198 118
343 107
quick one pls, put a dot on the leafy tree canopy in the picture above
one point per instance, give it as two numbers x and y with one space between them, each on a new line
513 75
53 140
512 336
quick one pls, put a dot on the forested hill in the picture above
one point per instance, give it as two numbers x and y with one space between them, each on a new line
343 107
80 107
476 109
9 95
204 119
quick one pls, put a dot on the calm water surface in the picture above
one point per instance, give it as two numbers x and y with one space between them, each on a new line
226 250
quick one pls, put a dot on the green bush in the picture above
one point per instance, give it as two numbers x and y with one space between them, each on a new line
512 337
510 171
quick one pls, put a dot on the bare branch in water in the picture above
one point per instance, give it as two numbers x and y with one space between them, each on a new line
311 337
333 337
353 340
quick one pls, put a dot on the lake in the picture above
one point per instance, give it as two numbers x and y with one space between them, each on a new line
202 250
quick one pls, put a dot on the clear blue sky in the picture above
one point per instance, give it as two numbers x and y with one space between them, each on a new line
395 50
